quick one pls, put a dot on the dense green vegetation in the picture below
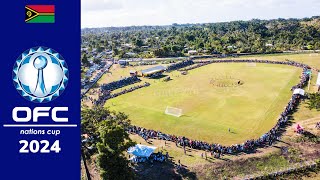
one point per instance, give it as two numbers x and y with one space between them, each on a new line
255 36
314 101
107 138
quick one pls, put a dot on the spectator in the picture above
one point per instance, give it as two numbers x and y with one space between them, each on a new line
249 145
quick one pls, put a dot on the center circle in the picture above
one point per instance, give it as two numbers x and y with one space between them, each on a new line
226 82
40 62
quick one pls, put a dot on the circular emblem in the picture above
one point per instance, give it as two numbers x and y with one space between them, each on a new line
40 74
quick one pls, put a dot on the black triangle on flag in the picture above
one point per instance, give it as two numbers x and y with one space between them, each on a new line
30 14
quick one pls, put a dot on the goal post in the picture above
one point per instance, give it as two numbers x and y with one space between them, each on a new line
173 111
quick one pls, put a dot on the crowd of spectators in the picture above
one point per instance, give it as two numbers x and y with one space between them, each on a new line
107 95
303 79
179 65
87 98
156 75
154 157
194 67
247 146
94 80
120 83
143 63
159 157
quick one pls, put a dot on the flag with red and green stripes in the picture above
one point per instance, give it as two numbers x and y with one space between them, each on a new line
39 14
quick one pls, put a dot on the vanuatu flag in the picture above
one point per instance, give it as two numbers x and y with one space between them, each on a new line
39 14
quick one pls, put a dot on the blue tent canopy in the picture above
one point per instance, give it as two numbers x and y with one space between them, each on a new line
141 150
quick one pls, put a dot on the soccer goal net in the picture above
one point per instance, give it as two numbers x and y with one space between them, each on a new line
173 111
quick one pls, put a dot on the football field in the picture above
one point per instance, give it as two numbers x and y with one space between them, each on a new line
212 101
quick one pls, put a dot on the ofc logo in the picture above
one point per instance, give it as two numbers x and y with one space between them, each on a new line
40 74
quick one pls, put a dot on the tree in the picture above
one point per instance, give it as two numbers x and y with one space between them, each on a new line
248 36
100 49
106 43
111 160
115 51
108 131
314 101
89 125
85 60
96 60
138 42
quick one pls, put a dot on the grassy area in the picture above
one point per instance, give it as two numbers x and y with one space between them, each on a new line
249 110
312 59
140 104
259 166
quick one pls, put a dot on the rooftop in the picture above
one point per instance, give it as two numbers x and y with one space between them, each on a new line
153 70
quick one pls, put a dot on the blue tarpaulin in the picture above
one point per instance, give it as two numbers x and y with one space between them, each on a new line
141 150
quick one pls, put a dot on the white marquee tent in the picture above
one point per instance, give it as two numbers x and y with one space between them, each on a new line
299 91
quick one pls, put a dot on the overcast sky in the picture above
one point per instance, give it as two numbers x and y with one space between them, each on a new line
105 13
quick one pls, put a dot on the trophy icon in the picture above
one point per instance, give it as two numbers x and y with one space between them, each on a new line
40 63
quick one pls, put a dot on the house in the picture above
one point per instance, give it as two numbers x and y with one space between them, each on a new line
269 45
126 45
130 54
231 47
108 52
192 52
123 62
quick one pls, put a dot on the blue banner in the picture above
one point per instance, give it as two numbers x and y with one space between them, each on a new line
40 103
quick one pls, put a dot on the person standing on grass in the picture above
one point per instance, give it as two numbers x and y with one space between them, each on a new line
184 146
179 164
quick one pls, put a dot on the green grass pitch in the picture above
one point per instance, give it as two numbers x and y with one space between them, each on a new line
249 110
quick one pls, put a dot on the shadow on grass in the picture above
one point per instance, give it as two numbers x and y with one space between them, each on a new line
159 77
164 170
284 142
309 134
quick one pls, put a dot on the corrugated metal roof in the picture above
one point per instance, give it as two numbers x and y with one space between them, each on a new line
153 70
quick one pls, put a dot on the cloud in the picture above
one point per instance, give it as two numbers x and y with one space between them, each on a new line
101 13
100 5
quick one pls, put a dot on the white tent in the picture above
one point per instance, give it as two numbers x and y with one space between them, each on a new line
141 150
299 91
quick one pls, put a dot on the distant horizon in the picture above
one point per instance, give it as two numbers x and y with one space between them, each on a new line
196 23
124 13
